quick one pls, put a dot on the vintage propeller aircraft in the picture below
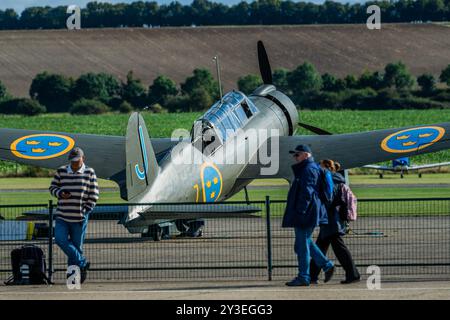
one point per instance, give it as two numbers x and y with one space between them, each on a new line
150 171
403 165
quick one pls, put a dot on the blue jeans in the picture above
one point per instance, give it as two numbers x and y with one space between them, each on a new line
306 249
69 236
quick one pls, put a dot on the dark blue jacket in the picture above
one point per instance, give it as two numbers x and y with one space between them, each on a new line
335 224
304 208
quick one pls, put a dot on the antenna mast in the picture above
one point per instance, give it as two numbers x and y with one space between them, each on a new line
216 59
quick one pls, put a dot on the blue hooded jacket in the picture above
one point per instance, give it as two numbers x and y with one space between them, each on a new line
304 209
335 224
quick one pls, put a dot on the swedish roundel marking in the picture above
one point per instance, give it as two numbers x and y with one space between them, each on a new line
211 182
41 146
413 139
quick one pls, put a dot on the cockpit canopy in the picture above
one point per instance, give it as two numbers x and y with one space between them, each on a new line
226 117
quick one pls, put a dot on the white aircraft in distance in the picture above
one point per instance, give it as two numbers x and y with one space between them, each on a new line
403 165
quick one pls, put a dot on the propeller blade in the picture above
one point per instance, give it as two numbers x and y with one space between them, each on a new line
314 129
264 65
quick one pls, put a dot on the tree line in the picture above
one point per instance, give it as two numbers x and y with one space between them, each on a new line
392 88
94 93
204 12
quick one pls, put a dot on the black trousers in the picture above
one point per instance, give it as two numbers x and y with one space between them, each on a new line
340 251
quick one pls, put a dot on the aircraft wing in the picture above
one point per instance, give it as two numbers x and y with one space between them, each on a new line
383 168
409 168
353 149
431 165
166 212
195 211
100 212
106 154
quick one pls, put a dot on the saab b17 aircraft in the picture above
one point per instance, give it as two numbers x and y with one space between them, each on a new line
150 171
403 165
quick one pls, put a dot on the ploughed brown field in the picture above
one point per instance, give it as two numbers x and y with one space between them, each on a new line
337 49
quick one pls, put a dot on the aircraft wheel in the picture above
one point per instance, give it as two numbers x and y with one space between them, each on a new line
155 232
193 229
420 175
381 176
401 175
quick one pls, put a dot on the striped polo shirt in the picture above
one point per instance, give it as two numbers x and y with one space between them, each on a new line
83 188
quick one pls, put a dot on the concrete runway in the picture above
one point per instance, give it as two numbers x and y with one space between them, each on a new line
236 250
205 268
230 290
230 243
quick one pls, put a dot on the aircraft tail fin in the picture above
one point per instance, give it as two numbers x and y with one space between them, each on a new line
141 165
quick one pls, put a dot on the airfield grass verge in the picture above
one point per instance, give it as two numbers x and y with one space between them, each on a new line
408 208
394 179
436 179
41 183
360 192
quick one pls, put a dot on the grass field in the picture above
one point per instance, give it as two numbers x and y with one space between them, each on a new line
15 198
360 192
34 190
162 125
41 183
389 179
364 208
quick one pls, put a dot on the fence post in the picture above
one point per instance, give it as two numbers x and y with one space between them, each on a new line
269 239
50 240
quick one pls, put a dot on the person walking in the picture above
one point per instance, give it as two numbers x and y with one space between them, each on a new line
75 186
305 211
333 232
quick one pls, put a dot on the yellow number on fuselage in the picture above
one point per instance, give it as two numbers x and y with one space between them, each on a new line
198 192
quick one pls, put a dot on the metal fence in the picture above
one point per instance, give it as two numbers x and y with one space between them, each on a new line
17 229
406 238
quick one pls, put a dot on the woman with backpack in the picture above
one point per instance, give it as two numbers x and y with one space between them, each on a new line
333 232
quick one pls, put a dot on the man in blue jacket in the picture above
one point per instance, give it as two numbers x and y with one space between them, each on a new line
304 212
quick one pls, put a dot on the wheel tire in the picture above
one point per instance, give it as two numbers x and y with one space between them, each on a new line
196 229
154 232
157 235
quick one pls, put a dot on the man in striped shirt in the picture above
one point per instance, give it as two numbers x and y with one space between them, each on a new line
75 186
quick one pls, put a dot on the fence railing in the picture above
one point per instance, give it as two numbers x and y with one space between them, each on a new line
406 238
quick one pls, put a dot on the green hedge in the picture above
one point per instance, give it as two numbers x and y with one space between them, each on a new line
25 106
88 106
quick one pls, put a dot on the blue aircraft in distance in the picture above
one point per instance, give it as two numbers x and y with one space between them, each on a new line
403 165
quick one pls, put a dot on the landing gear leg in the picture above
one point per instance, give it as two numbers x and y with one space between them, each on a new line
190 228
155 232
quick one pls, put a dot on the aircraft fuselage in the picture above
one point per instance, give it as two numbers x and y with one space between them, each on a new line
189 174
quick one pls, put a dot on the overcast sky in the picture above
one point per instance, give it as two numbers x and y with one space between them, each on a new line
19 5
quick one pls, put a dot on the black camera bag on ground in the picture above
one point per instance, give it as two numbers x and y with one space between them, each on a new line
30 256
